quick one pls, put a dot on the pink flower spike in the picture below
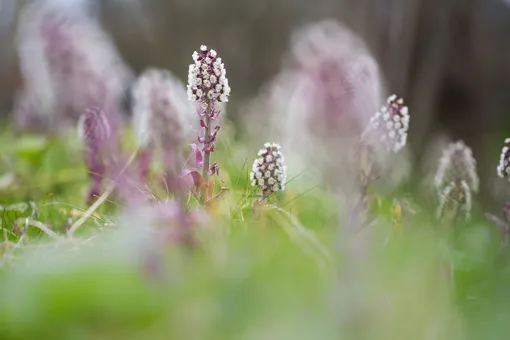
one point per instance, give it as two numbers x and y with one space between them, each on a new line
203 124
199 159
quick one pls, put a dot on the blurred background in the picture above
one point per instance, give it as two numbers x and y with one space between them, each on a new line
448 58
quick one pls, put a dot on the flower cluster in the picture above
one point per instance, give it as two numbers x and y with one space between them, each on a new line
161 117
68 63
504 162
207 81
207 85
160 111
94 130
392 124
269 171
456 179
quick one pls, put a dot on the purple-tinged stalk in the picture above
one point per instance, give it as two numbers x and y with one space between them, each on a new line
161 117
207 86
94 130
269 172
456 180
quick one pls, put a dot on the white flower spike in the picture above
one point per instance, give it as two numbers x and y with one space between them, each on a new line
269 171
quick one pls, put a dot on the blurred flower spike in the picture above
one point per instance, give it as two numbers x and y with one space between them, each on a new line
94 131
161 116
456 179
269 171
68 63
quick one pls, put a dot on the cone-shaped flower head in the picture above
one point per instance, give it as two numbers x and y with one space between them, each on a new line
161 113
207 81
456 180
391 124
504 162
269 171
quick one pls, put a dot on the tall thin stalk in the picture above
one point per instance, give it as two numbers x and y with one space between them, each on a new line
207 85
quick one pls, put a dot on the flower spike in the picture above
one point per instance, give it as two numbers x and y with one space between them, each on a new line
269 171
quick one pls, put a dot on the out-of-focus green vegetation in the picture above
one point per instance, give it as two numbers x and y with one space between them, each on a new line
286 274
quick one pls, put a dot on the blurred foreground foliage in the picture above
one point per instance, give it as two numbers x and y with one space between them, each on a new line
282 275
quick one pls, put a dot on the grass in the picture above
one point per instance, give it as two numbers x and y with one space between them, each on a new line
291 272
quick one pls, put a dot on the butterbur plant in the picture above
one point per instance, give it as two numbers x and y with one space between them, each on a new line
456 180
269 172
207 86
94 131
161 120
386 133
68 63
